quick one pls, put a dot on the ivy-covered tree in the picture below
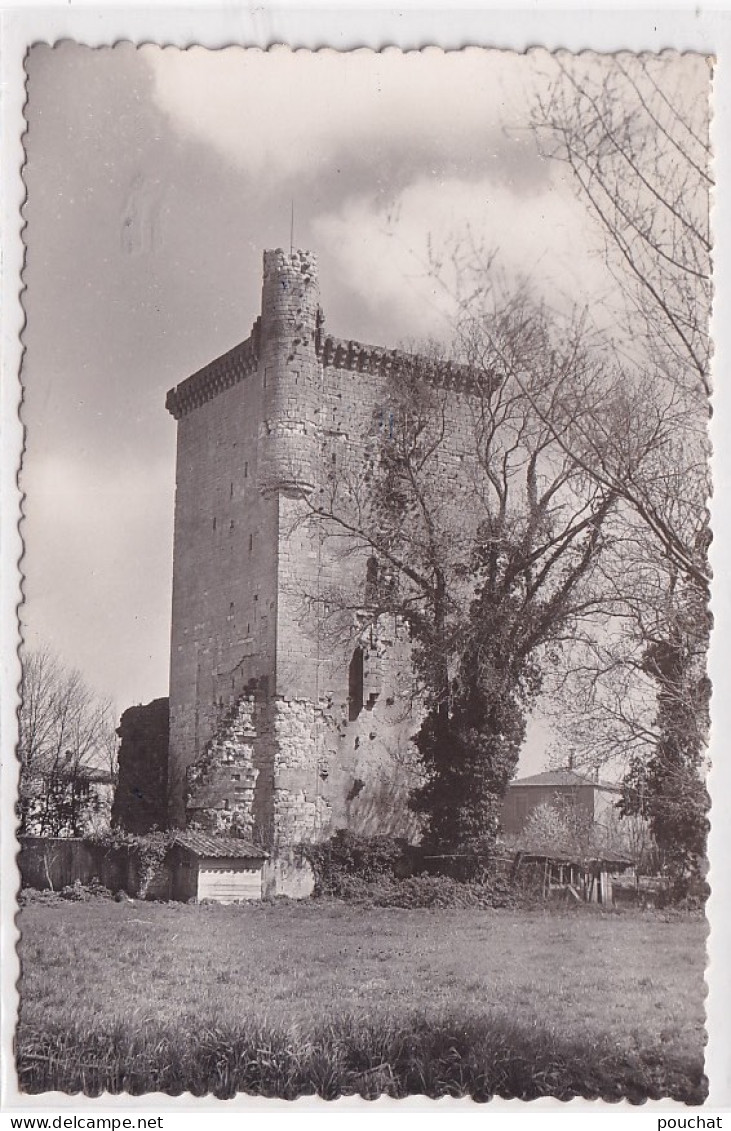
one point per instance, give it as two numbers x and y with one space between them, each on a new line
668 788
488 539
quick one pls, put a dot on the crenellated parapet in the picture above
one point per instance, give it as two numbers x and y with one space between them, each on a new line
227 370
355 357
280 263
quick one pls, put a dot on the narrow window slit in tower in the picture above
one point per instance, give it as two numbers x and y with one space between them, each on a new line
355 685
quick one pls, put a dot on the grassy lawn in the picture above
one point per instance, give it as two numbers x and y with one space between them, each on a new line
632 983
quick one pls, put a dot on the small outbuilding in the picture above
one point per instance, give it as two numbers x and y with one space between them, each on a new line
582 879
222 869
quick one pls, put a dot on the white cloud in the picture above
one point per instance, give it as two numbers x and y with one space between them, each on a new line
544 237
279 112
451 131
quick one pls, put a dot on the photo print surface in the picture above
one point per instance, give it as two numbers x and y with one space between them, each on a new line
365 706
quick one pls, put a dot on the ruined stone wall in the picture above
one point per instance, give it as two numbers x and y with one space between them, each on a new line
221 783
140 799
330 769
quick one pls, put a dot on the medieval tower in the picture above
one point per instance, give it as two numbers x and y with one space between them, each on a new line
280 728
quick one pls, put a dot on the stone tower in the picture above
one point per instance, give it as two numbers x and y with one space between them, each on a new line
277 730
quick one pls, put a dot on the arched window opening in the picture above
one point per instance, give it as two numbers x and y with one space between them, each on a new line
355 685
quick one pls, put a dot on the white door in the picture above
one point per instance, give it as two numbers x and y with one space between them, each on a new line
226 882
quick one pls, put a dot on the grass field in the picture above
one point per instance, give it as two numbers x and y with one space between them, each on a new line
624 992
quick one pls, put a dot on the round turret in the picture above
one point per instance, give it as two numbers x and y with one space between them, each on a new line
290 371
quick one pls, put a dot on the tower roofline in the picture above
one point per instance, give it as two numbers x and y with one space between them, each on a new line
349 355
357 357
225 371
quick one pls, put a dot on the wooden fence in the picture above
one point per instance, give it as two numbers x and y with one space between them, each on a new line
55 862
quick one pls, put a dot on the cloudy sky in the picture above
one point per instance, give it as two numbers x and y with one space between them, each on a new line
155 178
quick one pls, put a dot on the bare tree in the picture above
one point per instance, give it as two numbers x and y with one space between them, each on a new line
559 827
634 132
66 739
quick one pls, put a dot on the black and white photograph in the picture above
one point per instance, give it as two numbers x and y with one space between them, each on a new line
363 736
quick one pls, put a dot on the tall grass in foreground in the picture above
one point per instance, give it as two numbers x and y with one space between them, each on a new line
478 1057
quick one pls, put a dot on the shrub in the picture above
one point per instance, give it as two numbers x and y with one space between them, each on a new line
685 895
73 893
426 891
82 893
444 891
347 855
37 895
374 871
423 891
150 849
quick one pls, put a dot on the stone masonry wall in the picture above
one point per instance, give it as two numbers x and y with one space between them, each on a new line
224 574
334 770
222 782
289 370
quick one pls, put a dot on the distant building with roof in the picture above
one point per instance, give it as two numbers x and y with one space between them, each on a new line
590 797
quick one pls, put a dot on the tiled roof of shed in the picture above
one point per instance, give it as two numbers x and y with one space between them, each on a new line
203 844
563 777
